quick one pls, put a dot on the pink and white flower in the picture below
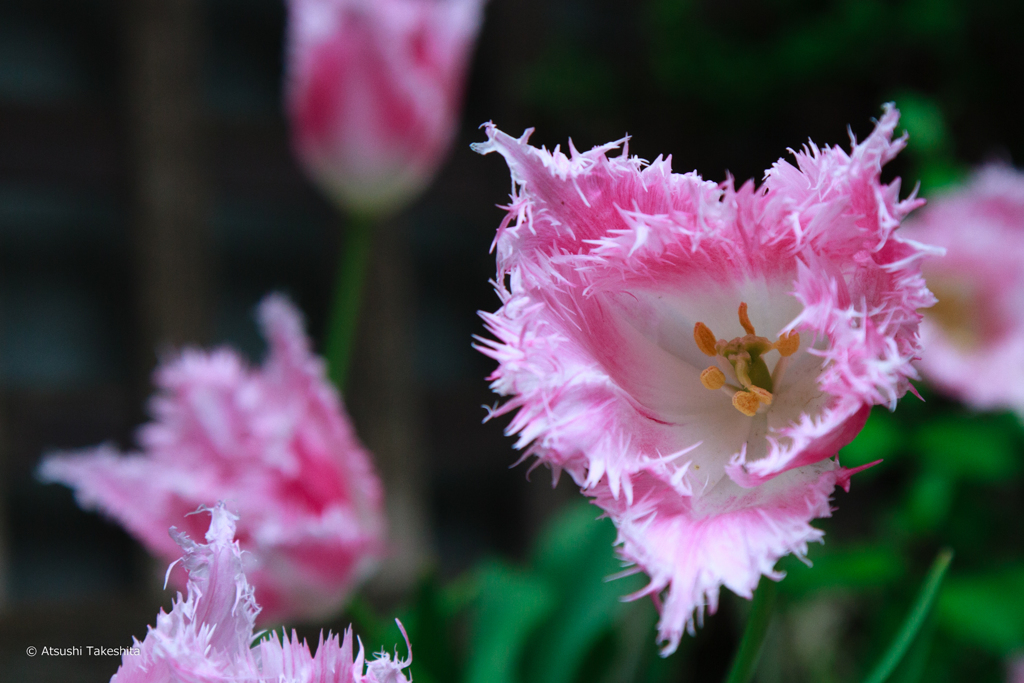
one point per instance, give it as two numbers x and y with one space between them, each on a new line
1015 669
629 344
373 90
208 636
975 333
275 443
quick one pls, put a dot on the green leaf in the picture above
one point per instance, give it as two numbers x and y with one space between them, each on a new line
914 661
576 555
459 594
853 567
511 604
929 499
429 625
923 120
364 620
939 174
986 610
916 619
635 658
980 448
570 539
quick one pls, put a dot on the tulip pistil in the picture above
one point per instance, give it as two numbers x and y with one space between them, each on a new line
745 356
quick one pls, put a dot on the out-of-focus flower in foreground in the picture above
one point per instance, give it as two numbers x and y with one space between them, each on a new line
694 355
373 90
274 443
208 635
1015 670
974 336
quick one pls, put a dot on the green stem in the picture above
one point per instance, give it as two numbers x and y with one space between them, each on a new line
917 617
745 663
348 296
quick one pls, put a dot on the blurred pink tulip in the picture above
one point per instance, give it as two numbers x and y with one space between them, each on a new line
974 335
1015 670
274 443
629 344
208 635
374 89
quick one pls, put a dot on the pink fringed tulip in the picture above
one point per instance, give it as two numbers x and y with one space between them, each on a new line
974 336
694 355
207 636
275 443
374 89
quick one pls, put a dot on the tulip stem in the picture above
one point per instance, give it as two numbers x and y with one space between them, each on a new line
348 296
745 663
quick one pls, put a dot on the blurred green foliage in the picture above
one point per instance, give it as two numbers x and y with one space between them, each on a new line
731 86
986 609
933 161
953 478
730 59
737 66
558 619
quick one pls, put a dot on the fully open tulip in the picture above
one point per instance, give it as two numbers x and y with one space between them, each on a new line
373 90
208 636
274 443
695 355
974 335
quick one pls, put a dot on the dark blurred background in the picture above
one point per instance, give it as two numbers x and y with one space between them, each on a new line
148 198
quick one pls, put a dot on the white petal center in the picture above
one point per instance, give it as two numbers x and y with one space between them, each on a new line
660 364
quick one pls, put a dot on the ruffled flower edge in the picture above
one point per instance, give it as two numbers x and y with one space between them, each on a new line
208 635
557 395
689 557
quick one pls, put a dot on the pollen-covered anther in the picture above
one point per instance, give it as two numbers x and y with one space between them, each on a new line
712 378
705 339
788 344
763 395
746 402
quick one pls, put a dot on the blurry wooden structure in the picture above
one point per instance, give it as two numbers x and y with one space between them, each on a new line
170 179
148 198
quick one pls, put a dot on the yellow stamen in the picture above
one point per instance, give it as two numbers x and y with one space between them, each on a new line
787 344
746 356
745 320
746 403
705 339
712 378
